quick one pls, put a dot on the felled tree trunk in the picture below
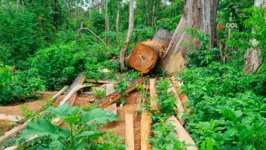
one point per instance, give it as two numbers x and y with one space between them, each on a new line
146 54
252 56
199 14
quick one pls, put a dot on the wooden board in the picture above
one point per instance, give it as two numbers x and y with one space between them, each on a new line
116 95
129 132
182 96
182 134
180 108
13 118
153 96
101 81
146 125
110 88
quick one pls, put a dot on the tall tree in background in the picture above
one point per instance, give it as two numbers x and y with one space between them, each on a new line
252 56
107 24
129 34
199 14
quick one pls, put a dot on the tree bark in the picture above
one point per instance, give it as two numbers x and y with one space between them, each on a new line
117 24
252 56
199 14
153 13
129 35
107 24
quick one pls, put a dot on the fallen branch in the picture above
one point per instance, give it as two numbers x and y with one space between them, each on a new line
96 36
117 95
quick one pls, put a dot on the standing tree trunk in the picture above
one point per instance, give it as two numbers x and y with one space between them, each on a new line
153 13
107 24
199 14
129 35
147 11
252 60
117 24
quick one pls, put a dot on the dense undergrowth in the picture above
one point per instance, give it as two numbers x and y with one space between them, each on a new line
227 106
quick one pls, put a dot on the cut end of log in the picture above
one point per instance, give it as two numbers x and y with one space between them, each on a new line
145 55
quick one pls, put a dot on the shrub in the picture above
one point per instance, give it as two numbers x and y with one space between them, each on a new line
17 86
59 64
82 131
204 55
226 107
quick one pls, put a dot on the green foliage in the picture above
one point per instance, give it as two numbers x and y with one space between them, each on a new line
166 100
227 109
19 85
257 23
165 137
82 130
58 64
204 55
18 37
99 93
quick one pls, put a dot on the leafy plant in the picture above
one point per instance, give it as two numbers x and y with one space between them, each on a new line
58 64
165 137
226 107
166 100
99 93
82 130
204 55
17 86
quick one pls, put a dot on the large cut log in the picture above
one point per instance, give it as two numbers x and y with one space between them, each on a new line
146 123
146 54
182 134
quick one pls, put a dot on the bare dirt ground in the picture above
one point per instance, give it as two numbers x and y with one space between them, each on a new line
131 105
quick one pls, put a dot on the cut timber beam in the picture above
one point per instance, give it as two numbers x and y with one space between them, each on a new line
101 81
129 133
182 134
13 132
182 96
146 123
116 95
13 118
78 81
110 88
153 96
180 108
73 93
